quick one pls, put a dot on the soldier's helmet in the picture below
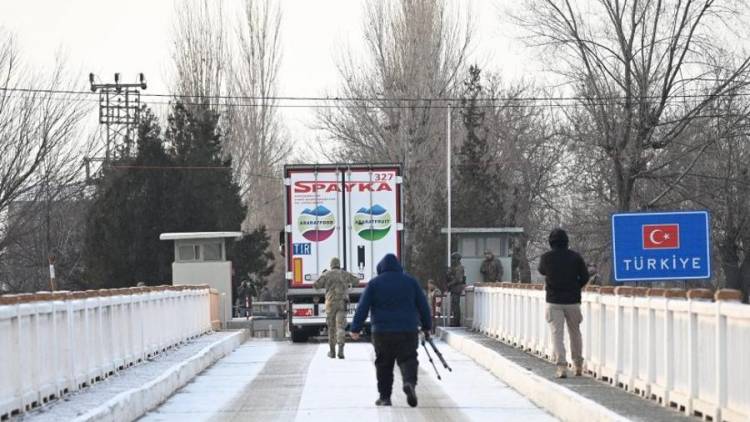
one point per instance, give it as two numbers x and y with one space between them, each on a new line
456 256
335 263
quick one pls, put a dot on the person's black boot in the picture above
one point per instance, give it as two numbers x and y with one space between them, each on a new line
383 402
332 351
341 351
411 394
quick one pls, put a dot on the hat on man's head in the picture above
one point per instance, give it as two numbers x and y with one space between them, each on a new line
335 263
558 238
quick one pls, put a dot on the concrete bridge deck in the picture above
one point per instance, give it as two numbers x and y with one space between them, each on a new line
266 380
280 381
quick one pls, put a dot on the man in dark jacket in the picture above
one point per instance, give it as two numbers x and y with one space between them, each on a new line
565 274
397 307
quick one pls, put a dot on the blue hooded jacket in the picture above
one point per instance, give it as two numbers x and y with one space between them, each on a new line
394 299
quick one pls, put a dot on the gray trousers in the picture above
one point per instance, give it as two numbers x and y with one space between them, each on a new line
556 316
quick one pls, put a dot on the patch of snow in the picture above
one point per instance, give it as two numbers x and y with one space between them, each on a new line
139 385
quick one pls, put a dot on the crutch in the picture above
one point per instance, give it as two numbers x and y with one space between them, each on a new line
431 361
439 355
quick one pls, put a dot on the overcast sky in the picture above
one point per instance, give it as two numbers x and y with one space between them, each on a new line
107 36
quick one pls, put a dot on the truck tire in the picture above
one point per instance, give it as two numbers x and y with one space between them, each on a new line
299 336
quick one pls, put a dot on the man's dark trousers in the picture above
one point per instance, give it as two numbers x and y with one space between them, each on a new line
391 348
456 309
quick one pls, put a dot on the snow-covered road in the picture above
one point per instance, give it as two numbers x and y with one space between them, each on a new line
279 381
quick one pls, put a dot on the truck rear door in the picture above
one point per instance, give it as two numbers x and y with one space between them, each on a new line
353 213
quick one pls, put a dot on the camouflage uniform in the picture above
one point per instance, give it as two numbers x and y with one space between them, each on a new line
455 285
337 283
491 269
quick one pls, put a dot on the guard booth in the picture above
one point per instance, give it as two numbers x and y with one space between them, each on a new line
472 242
201 258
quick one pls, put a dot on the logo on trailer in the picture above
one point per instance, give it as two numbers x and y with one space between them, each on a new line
334 186
661 236
316 225
373 223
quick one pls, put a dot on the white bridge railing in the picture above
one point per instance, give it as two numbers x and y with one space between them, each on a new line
55 343
680 348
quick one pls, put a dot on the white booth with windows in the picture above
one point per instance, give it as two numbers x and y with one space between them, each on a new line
201 258
472 242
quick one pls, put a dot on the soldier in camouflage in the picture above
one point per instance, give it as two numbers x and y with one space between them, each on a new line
337 283
491 269
455 285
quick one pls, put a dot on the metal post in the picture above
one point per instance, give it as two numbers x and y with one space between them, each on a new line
448 173
52 279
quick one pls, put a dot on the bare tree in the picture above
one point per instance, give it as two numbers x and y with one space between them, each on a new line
239 69
39 152
636 68
258 142
233 66
199 51
507 164
414 52
720 182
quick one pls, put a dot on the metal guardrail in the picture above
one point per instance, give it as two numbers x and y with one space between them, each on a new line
684 349
57 343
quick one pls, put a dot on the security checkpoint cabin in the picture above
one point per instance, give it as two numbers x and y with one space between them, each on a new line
201 258
473 241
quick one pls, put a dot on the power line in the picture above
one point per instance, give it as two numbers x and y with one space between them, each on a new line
365 106
340 101
209 168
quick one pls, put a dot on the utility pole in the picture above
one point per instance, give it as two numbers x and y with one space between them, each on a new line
448 173
52 279
119 112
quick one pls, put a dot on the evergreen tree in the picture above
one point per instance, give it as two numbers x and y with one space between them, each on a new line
251 258
176 182
127 216
479 187
205 196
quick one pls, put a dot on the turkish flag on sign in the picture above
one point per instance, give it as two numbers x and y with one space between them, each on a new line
661 236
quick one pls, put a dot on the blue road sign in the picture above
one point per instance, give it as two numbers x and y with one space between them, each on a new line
661 246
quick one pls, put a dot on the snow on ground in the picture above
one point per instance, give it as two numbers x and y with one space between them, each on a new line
282 381
78 403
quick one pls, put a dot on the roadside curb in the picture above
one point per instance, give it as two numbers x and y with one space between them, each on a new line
134 403
559 401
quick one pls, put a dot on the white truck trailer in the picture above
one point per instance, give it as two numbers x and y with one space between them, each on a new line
349 211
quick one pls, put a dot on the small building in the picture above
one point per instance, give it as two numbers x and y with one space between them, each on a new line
201 258
472 242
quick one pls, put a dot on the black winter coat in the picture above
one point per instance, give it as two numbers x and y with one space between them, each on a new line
565 274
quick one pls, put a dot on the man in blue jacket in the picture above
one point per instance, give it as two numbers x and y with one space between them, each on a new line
398 307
